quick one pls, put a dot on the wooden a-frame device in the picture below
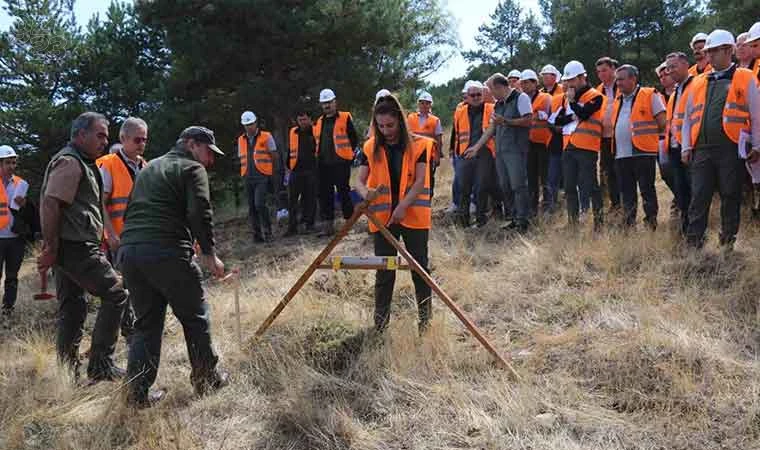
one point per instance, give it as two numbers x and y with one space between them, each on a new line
378 263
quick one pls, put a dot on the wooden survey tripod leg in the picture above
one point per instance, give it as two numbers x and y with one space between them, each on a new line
415 266
358 211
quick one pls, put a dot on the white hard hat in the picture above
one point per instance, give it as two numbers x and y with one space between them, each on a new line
326 95
742 38
6 151
660 68
467 86
514 74
551 70
719 38
698 38
477 85
572 70
528 74
754 32
425 97
247 118
381 93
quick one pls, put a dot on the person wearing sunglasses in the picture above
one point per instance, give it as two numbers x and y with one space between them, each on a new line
477 169
118 171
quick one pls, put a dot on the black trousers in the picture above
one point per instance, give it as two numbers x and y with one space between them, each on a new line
258 214
610 176
82 266
302 197
480 171
712 169
579 173
334 177
681 185
160 277
638 174
11 257
416 242
538 176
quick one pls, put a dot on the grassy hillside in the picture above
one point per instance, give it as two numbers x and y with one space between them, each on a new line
622 342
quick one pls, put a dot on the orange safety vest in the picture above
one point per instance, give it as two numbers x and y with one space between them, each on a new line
340 135
5 209
428 130
588 134
293 147
462 126
755 68
694 71
674 114
262 156
418 214
556 90
540 130
735 112
644 131
121 188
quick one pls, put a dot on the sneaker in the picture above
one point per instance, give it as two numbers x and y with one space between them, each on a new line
452 209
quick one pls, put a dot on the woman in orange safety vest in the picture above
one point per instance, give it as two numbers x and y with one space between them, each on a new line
394 178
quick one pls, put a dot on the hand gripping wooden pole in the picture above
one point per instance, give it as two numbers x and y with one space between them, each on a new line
360 210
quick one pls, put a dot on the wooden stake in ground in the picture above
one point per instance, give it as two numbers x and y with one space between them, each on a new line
360 210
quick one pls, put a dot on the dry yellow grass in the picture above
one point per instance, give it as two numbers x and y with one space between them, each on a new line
623 342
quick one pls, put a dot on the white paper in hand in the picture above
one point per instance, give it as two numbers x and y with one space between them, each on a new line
21 190
745 140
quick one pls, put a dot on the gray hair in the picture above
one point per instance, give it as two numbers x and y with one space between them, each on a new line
630 70
678 55
130 125
85 121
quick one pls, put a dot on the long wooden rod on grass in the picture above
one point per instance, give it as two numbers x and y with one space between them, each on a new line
415 266
358 211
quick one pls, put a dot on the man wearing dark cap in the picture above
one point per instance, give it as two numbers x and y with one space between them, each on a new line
72 228
169 209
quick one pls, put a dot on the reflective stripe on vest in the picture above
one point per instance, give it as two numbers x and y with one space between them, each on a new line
5 212
340 136
418 214
674 114
121 189
588 134
462 126
645 133
540 131
262 156
735 111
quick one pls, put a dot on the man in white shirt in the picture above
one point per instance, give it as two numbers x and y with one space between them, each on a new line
11 244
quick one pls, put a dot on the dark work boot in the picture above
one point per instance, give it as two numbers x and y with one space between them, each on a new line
218 379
